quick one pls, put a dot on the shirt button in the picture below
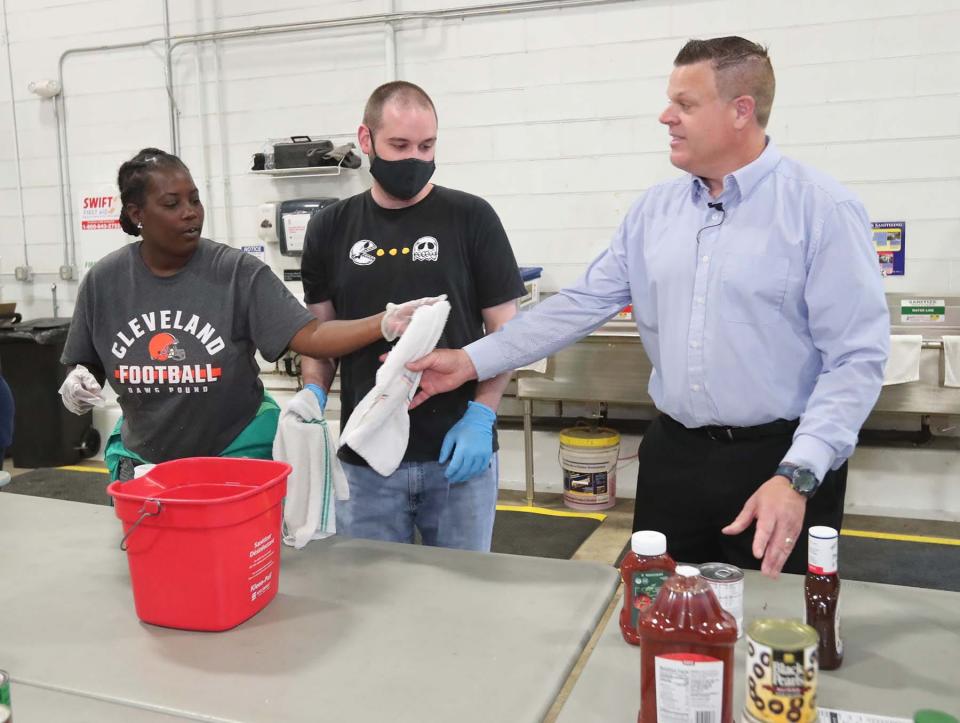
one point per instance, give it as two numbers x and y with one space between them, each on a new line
699 299
694 344
715 217
705 259
695 387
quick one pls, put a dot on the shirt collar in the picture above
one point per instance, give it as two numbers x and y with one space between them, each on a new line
740 183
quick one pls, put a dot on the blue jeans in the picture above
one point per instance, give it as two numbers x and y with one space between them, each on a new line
418 496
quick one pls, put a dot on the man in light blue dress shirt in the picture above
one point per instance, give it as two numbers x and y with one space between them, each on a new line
758 298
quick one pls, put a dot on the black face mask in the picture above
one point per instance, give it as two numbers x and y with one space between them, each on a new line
402 179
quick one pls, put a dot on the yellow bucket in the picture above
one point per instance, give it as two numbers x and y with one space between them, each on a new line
588 458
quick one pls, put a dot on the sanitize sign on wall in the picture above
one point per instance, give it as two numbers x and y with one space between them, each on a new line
98 213
922 310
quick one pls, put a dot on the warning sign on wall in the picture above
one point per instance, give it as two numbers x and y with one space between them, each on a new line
99 212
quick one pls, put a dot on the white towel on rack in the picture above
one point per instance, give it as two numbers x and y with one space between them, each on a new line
903 365
379 427
951 361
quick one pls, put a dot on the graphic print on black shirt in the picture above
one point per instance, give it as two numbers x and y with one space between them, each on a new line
359 256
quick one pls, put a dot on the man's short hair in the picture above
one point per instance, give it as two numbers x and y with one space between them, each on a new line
397 91
741 67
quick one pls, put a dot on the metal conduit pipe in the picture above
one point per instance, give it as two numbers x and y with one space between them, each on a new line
390 45
63 209
16 137
204 154
227 190
168 77
171 43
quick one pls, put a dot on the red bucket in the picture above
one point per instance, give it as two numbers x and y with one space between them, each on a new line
202 537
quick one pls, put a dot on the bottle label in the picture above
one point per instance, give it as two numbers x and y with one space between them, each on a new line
822 555
689 688
644 591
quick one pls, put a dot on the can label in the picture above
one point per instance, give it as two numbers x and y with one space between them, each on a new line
781 683
689 688
5 715
4 689
727 584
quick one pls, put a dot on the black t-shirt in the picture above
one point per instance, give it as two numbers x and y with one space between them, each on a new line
360 256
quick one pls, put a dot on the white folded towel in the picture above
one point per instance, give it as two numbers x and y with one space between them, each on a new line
379 427
316 478
903 364
951 361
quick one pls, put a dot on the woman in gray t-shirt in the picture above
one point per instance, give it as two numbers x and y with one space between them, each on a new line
173 322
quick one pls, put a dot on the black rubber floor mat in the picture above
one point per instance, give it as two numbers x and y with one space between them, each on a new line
540 535
62 484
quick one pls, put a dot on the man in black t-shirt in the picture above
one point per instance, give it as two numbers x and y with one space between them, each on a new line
406 238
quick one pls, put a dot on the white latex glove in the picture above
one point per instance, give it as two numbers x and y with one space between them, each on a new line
305 406
398 316
80 391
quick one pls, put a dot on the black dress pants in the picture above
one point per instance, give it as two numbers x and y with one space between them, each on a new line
690 486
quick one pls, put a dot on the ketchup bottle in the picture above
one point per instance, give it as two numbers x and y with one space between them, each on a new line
686 653
643 571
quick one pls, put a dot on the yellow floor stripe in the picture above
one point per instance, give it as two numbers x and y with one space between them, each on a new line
79 468
900 538
552 513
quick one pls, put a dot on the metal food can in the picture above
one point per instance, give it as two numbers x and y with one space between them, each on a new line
5 715
781 672
727 583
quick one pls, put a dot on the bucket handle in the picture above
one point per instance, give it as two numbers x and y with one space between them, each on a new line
144 513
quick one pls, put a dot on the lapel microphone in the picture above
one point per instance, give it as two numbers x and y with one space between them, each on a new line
716 206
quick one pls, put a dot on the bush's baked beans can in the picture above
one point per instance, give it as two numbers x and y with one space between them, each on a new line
5 715
781 672
727 583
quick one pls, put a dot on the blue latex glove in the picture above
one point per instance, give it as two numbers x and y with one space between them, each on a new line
471 442
320 394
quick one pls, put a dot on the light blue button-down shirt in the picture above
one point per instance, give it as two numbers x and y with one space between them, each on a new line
771 308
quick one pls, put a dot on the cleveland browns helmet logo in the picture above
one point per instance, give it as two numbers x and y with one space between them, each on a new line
163 347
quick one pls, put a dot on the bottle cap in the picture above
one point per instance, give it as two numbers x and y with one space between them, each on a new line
688 571
648 543
822 532
933 716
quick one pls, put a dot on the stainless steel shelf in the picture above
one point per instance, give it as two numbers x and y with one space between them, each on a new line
300 172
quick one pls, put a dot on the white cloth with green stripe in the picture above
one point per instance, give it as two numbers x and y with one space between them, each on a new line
305 442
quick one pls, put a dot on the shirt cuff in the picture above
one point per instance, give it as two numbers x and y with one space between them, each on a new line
487 358
813 453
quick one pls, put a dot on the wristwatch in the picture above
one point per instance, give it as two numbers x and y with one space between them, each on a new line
802 480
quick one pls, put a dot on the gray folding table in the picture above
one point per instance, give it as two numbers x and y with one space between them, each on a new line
359 631
902 653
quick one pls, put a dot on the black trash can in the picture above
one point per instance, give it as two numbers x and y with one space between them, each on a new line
45 433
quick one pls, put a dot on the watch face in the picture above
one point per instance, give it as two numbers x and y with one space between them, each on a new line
804 481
